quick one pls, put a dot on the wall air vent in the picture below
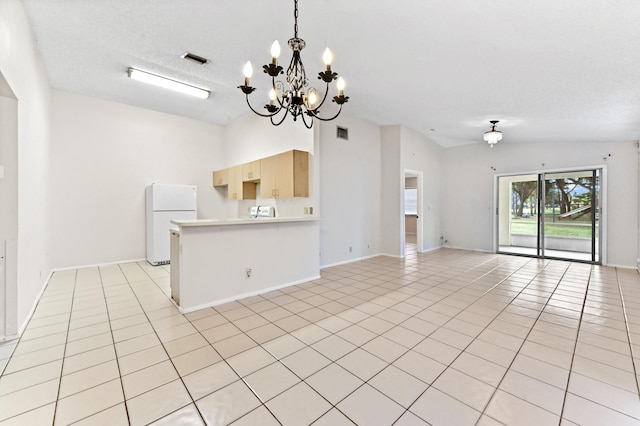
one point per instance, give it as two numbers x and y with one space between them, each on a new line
342 133
195 58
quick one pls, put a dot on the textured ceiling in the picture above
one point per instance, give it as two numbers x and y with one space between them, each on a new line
549 70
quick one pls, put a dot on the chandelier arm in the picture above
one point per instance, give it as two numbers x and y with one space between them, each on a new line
261 115
310 125
324 98
286 112
327 119
295 98
278 98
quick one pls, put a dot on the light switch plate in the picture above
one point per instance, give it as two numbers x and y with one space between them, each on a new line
1 172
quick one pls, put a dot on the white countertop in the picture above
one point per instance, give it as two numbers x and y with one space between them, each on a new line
242 221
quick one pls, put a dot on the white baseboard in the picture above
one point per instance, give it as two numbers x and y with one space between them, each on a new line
613 265
431 250
23 326
344 262
244 295
94 265
32 311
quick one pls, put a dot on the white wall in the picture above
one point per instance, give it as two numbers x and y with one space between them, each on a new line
423 155
391 191
252 137
350 191
468 177
23 70
104 154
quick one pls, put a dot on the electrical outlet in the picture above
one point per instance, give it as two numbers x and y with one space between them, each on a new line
306 210
310 210
248 272
350 249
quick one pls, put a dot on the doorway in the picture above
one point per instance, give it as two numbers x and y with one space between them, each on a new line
556 215
8 211
412 213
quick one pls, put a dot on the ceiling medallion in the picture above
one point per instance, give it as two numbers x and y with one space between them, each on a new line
295 97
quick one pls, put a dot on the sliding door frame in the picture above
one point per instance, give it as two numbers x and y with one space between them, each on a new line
603 213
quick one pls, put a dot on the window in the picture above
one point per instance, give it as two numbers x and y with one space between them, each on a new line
411 201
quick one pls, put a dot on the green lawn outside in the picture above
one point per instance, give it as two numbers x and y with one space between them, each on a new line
526 227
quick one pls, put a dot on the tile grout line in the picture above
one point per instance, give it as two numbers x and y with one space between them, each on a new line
425 337
165 350
628 331
429 385
454 316
386 284
124 396
425 308
483 413
309 346
75 284
575 345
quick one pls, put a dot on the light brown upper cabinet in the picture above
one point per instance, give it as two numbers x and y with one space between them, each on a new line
251 171
239 190
285 175
221 177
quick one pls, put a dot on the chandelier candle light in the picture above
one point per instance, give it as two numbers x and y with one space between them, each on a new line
493 136
296 97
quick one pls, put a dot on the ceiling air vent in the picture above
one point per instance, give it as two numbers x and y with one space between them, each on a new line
342 133
195 58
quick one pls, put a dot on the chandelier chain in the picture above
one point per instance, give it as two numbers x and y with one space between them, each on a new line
295 19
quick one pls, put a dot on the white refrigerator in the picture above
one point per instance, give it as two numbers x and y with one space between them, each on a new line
164 204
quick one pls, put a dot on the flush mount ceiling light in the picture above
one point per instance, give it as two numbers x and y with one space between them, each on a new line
295 97
493 136
156 80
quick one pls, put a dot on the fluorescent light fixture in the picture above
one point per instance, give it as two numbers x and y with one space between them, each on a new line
167 83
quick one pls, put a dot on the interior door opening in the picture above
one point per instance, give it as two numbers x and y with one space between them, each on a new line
412 213
8 211
551 215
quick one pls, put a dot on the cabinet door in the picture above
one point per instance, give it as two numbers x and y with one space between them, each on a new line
268 171
251 171
292 179
284 175
234 191
238 189
300 174
221 177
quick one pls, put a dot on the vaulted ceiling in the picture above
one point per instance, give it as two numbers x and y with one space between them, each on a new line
549 70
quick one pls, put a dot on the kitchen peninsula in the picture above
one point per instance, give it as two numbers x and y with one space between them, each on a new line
217 261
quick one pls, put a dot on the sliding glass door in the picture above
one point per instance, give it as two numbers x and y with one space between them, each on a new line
551 215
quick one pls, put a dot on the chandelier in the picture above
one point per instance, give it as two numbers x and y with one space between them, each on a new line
296 97
493 136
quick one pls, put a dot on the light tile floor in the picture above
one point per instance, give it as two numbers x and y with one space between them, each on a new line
450 337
